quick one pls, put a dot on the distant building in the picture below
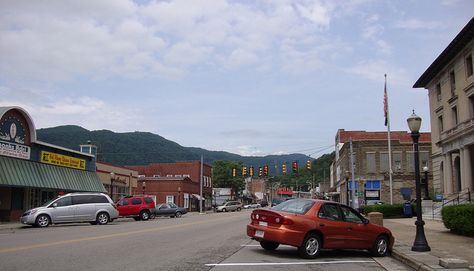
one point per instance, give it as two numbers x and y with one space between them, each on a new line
450 84
176 182
372 180
33 172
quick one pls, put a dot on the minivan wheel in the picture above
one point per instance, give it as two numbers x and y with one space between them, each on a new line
42 221
269 245
238 209
177 215
380 247
224 210
144 215
102 218
311 246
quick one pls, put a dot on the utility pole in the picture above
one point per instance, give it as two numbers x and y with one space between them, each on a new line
355 203
200 186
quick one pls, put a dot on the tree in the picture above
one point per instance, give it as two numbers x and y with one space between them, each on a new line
222 175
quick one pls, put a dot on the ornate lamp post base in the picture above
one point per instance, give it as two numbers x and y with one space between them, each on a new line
420 243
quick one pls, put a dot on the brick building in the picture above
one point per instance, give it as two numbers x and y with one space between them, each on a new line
176 182
372 180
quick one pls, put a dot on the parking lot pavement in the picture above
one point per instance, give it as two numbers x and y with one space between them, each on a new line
252 257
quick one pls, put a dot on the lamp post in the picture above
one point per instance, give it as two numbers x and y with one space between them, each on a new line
425 170
112 178
420 243
143 187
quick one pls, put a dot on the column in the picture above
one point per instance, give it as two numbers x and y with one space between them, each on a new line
448 174
467 168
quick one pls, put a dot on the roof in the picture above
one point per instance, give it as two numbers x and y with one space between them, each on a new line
18 172
457 44
402 136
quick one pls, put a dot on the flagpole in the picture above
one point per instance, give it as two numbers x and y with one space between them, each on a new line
389 141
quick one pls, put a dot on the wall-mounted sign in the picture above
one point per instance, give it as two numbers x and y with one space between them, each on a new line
372 194
62 160
14 150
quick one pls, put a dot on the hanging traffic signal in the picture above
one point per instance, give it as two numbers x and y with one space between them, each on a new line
260 171
294 166
308 164
283 168
251 171
265 170
234 172
244 171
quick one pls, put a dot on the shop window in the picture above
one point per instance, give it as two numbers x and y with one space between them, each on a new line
370 162
452 82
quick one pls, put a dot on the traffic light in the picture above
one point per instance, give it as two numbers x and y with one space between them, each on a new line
234 172
251 171
265 170
244 171
283 168
308 164
294 166
260 171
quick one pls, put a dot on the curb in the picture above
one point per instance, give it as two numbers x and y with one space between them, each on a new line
411 262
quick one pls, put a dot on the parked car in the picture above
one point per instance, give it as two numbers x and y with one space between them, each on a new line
276 201
312 225
138 207
229 206
169 209
96 208
252 205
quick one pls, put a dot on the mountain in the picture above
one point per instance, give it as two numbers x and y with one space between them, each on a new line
141 148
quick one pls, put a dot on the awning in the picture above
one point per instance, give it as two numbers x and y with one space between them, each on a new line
288 193
196 196
24 173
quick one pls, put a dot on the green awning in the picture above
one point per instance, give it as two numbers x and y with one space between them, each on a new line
24 173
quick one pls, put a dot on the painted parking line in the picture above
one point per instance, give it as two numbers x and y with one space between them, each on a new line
288 263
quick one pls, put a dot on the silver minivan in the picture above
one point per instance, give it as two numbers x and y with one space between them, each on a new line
96 208
229 206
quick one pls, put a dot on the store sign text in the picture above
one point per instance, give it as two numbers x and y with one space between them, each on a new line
62 160
14 150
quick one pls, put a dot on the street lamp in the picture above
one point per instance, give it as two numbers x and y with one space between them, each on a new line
420 243
112 178
143 187
425 170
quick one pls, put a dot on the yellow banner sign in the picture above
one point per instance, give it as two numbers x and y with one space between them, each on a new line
62 160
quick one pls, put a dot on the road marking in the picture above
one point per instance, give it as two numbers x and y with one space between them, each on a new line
16 249
288 263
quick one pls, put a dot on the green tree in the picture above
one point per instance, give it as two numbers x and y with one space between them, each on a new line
222 175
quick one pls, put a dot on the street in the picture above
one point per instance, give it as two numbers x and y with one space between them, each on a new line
213 241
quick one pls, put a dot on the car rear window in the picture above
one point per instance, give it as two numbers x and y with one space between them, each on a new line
296 206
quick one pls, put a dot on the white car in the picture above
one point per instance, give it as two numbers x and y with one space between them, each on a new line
253 205
229 206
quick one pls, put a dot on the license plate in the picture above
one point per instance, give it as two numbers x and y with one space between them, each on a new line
261 223
259 234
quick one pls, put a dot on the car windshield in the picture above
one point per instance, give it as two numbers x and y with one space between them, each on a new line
49 202
297 206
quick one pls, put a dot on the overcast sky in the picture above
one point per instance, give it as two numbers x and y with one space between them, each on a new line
248 77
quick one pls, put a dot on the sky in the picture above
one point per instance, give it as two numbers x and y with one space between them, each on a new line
247 77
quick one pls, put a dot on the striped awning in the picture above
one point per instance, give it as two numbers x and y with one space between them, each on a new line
24 173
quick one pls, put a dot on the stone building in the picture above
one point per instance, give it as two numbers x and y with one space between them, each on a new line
372 179
450 84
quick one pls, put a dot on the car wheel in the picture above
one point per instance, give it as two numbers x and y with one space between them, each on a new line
137 218
224 210
144 215
269 245
42 221
380 247
238 209
152 216
177 215
93 222
311 246
102 218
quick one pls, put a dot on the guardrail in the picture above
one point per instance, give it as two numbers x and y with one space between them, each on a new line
453 199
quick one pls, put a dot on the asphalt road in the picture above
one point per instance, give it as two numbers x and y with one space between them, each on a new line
215 241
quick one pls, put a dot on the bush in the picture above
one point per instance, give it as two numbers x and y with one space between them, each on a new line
459 218
388 211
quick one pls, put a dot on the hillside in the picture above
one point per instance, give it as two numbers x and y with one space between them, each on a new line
140 148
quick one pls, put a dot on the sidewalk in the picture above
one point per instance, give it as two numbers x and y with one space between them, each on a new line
443 244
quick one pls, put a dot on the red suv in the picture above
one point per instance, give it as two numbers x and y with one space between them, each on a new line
138 207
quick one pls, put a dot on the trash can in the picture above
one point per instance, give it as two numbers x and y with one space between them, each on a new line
407 209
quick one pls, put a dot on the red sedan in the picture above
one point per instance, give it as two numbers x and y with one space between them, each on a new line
312 225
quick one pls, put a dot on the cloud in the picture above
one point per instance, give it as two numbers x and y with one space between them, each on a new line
247 150
375 69
416 24
373 30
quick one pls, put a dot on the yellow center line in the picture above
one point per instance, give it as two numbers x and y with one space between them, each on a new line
16 249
